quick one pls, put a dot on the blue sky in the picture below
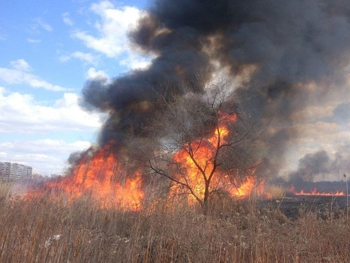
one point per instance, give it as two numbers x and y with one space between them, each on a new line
49 49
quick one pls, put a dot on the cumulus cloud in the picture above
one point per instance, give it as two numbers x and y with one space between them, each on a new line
135 62
20 64
18 74
93 74
112 28
111 38
45 156
23 114
66 19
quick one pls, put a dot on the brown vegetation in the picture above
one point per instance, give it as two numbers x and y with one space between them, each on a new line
54 230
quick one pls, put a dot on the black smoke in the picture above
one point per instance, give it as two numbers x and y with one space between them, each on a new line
283 44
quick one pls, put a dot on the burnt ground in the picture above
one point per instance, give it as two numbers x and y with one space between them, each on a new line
293 206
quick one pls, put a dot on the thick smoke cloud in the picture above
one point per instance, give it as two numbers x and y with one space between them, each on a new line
312 165
130 99
283 44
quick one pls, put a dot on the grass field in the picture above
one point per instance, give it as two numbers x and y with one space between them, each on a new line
51 229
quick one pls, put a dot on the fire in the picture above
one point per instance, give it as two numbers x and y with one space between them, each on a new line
102 179
247 187
197 166
314 192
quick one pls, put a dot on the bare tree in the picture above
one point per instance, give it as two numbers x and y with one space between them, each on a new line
203 144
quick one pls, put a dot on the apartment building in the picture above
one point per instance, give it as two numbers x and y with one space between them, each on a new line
13 171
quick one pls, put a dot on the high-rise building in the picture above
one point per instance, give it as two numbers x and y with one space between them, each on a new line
14 171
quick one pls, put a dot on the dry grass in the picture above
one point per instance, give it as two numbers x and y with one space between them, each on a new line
54 230
275 191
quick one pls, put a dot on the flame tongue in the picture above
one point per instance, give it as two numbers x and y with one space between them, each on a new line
104 181
104 178
314 192
197 165
245 188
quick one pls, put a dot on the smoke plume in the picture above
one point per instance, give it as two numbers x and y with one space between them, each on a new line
312 165
290 55
314 168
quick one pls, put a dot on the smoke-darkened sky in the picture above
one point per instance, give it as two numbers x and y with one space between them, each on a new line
287 60
293 56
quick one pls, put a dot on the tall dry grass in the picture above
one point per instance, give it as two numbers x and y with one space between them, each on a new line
51 229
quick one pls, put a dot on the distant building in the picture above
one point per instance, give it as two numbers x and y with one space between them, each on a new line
55 175
14 171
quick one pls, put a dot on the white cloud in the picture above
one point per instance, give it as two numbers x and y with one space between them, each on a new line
20 64
135 62
22 114
18 75
112 29
40 23
86 57
64 58
45 156
33 41
45 146
66 19
93 74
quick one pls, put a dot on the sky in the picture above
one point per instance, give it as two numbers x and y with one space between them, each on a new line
49 51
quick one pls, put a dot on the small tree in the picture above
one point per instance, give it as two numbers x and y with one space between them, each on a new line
203 144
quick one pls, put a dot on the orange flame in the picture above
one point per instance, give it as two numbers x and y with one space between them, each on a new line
101 178
197 166
314 192
247 187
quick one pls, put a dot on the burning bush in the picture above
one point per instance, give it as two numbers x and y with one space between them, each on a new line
203 146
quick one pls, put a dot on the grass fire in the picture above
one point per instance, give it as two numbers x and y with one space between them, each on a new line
194 170
228 146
